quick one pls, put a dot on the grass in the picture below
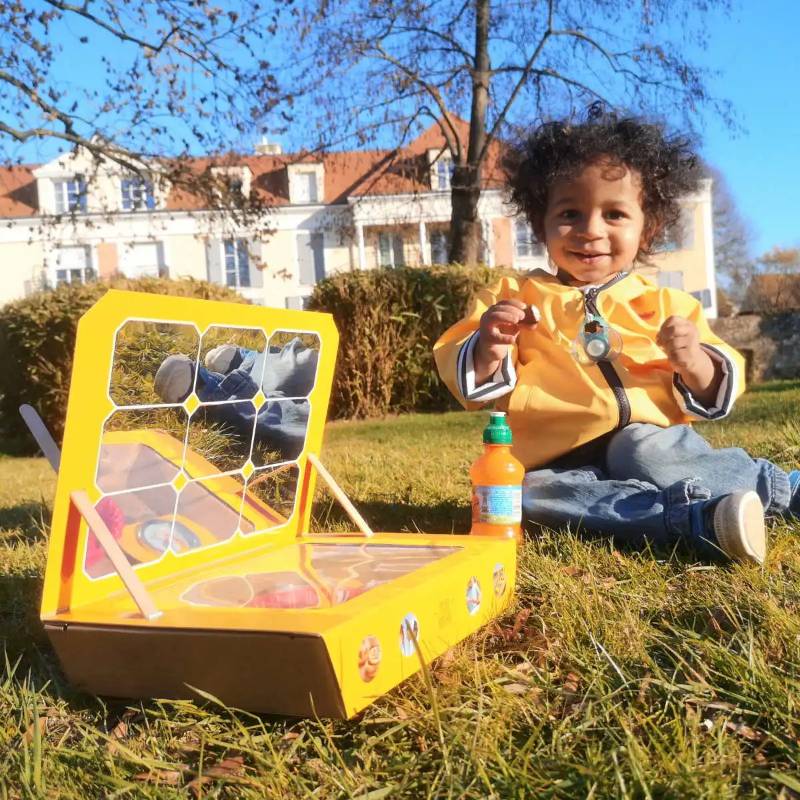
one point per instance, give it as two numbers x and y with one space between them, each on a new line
615 675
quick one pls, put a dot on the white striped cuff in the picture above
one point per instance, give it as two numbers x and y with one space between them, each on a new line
726 395
501 383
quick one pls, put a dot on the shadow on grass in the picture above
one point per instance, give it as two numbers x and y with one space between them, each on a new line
399 516
30 519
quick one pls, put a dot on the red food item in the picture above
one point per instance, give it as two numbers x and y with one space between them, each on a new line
114 519
286 597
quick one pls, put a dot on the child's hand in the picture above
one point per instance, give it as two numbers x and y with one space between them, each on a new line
499 328
680 340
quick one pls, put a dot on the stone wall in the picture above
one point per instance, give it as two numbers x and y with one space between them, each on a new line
770 344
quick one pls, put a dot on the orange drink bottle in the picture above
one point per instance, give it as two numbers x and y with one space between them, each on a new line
497 484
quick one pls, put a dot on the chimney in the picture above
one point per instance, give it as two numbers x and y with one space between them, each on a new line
267 148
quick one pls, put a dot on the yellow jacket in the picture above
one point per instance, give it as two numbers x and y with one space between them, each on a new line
556 404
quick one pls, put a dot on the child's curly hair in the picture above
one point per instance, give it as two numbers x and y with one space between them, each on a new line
668 166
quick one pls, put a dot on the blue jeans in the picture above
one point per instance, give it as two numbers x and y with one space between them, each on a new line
279 424
649 485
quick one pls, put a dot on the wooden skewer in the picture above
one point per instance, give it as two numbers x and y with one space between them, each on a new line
339 494
115 554
43 438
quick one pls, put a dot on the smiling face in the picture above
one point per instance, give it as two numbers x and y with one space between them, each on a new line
594 222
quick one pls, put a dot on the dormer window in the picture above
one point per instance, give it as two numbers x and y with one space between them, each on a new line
232 183
137 194
70 195
306 187
306 182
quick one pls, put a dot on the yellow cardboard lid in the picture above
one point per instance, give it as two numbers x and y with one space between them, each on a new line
189 458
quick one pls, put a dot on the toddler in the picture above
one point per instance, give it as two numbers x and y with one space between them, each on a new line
230 373
601 371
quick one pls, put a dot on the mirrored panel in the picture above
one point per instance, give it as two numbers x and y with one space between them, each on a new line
141 447
220 438
323 575
290 364
207 512
231 363
154 363
270 498
140 521
284 589
280 431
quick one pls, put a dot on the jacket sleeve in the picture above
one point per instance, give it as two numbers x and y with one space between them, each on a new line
453 351
729 360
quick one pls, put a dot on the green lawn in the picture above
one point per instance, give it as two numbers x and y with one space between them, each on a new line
615 674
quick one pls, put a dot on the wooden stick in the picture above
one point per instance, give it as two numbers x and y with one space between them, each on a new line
339 494
115 554
43 438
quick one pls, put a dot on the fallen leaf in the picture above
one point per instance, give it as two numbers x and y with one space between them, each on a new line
168 777
31 729
745 731
515 688
232 766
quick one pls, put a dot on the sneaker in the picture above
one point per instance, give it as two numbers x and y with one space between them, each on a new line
738 526
223 359
174 378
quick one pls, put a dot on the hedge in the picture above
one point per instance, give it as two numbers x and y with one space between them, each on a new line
37 339
388 321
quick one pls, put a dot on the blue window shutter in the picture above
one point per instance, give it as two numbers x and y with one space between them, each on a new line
397 246
318 250
256 274
214 261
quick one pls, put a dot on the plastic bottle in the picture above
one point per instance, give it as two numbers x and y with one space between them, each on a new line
497 484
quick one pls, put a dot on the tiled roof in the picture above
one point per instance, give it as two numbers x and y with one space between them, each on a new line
17 191
351 173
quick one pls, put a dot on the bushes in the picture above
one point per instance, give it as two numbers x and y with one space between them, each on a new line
37 338
388 321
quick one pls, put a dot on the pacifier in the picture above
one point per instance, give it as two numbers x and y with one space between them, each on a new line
596 341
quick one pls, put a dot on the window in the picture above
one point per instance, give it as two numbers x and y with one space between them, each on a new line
704 296
671 279
444 172
237 263
306 184
440 247
73 265
137 194
70 195
524 245
143 260
390 250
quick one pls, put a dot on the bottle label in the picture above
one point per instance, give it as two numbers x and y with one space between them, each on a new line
497 505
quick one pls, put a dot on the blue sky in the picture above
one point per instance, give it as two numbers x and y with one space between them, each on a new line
758 52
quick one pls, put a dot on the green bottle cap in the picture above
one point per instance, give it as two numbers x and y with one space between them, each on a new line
497 431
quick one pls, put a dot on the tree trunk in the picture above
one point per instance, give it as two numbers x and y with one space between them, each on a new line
465 226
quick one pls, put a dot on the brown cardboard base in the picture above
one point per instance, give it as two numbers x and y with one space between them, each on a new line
270 672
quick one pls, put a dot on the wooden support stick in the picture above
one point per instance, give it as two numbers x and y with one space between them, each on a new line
115 554
339 494
43 438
